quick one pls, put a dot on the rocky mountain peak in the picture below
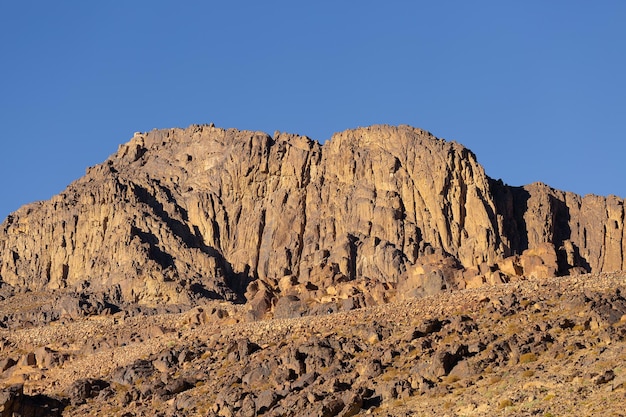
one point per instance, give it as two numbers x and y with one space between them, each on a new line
375 213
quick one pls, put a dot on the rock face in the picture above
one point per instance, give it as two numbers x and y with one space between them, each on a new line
586 232
182 214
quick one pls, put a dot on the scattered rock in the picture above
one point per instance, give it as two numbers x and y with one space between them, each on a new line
604 378
140 369
7 363
83 389
13 402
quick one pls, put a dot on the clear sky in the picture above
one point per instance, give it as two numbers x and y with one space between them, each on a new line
537 89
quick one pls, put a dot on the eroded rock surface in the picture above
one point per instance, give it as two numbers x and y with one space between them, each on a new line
181 215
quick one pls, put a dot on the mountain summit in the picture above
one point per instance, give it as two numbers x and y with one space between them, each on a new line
284 222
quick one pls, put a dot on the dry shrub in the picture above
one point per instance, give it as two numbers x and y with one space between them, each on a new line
528 357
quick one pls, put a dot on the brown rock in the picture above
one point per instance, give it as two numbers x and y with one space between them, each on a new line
47 358
13 402
353 404
289 306
7 363
370 369
511 266
265 400
604 378
181 215
28 359
83 389
540 261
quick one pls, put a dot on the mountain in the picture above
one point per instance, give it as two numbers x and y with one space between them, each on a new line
374 214
212 272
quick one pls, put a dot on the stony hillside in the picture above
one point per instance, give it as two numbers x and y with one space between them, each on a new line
547 347
291 226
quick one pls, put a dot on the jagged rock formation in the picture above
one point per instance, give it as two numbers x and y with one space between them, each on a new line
181 214
586 232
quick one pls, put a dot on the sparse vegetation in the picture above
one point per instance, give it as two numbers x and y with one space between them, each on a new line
505 403
528 357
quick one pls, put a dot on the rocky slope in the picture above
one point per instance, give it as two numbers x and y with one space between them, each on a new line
535 347
372 215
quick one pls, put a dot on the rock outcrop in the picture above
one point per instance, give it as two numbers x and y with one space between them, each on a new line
185 214
586 232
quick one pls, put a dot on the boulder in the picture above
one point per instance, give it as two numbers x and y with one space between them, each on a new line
83 389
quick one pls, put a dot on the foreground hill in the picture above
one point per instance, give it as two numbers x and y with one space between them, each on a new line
534 347
375 214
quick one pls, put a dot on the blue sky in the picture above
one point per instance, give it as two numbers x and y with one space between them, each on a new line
536 89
